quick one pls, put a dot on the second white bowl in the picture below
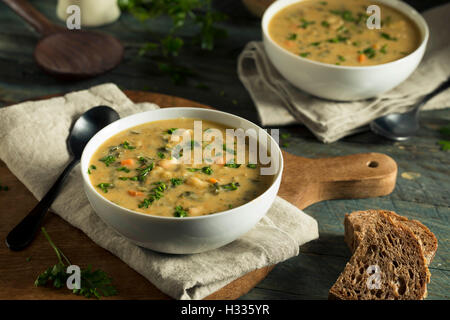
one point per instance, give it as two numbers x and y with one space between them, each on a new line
343 83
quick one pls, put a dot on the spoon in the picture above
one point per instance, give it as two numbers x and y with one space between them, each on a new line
401 126
87 125
69 54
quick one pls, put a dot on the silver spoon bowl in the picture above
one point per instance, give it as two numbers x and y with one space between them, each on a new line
402 126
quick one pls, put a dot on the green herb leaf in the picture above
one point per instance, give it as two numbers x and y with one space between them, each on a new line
105 186
292 36
252 165
325 24
304 23
387 36
161 155
445 145
230 186
176 181
107 160
93 283
127 146
180 212
207 170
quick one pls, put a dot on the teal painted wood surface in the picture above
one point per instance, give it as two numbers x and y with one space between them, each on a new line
311 274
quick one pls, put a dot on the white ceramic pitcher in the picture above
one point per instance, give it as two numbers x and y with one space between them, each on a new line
94 13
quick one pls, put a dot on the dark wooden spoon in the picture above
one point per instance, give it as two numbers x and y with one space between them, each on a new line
69 54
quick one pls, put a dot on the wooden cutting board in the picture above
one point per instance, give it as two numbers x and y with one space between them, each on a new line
305 181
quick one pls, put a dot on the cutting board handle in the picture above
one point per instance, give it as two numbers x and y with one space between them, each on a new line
307 181
34 18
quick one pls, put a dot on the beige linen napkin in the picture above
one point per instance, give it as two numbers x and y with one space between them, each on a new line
280 103
33 145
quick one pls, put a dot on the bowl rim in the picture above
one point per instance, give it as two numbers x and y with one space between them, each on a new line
401 6
84 162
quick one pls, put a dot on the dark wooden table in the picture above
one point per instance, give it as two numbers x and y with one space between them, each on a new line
311 274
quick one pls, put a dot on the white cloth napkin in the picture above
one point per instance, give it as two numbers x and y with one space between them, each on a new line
279 103
33 146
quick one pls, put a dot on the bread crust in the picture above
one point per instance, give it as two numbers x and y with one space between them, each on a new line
354 230
402 258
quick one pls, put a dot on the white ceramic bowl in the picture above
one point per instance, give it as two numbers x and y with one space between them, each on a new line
343 83
171 234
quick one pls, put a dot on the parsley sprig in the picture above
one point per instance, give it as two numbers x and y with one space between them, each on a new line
184 15
93 283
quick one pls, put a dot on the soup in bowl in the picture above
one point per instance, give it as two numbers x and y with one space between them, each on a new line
327 49
142 178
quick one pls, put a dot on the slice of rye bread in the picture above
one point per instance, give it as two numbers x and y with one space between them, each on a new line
356 223
396 252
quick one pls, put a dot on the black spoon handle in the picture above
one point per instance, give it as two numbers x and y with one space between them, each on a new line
443 86
22 235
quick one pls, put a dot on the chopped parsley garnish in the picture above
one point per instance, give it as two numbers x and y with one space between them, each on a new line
171 130
315 44
341 58
124 169
143 172
126 145
324 3
252 165
231 186
325 24
155 194
105 186
207 170
161 155
231 164
387 36
369 52
180 212
142 160
383 49
305 23
176 181
304 54
292 36
346 15
337 39
107 160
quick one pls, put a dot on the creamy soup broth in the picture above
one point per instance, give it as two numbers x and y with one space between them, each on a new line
135 170
335 32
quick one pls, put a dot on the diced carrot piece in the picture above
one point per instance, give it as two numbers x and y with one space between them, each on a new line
362 58
127 162
289 43
212 180
135 193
